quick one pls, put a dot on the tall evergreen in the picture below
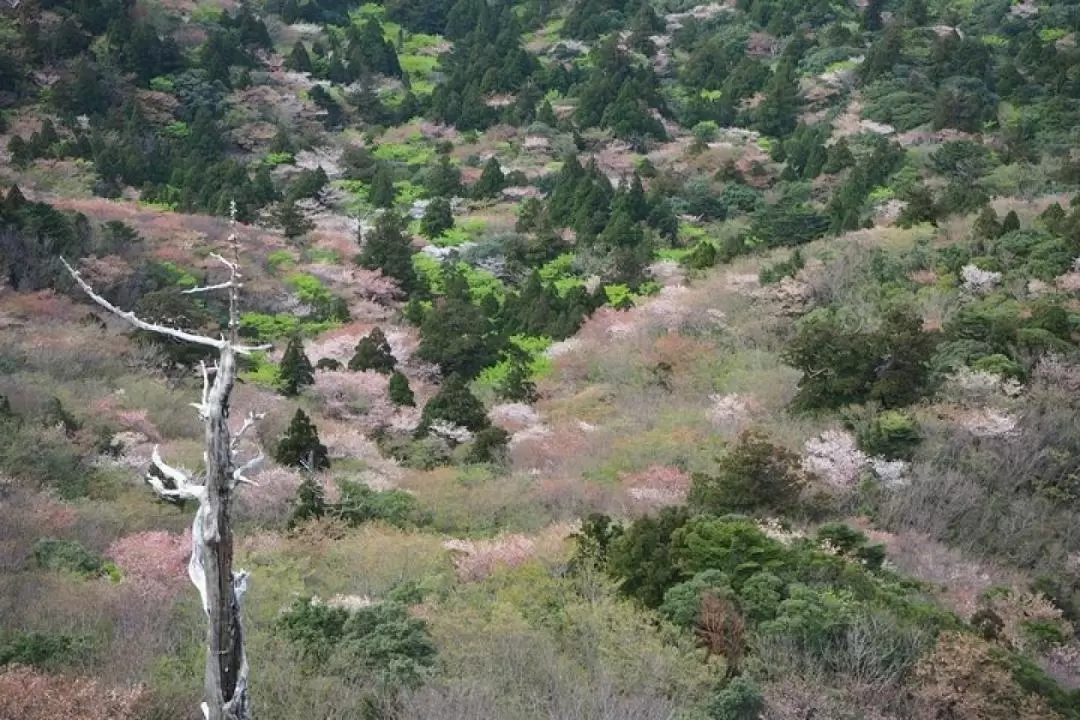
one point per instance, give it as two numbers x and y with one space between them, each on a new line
300 446
299 59
386 248
292 220
443 180
438 218
295 371
382 193
491 182
373 353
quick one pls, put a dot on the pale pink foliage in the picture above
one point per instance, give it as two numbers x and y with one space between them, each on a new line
155 560
349 395
27 694
834 457
657 486
273 495
730 413
477 559
513 417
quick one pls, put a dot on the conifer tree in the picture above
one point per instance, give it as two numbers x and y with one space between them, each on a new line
456 405
491 182
292 221
373 353
986 224
382 193
443 180
300 446
777 113
438 218
299 60
387 249
399 391
1011 223
546 115
518 385
295 370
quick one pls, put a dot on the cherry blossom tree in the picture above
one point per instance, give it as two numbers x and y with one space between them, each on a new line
211 565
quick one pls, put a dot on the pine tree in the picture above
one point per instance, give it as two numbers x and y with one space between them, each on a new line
299 60
295 371
399 391
778 112
518 385
382 193
373 353
1011 223
456 405
986 225
300 446
546 115
292 221
387 249
491 182
438 218
443 180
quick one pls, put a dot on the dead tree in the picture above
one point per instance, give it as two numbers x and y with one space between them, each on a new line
211 564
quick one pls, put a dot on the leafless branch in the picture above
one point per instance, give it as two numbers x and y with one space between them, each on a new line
161 329
207 288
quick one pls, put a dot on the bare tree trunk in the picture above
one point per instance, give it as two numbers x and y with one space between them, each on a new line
211 565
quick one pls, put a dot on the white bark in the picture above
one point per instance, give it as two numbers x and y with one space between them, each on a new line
210 567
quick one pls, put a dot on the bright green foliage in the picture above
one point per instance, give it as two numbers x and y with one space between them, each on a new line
438 218
295 371
51 651
399 391
300 446
491 182
386 248
68 556
373 353
891 434
456 405
456 335
755 476
380 643
360 504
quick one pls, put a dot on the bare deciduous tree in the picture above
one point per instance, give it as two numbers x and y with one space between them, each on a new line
211 564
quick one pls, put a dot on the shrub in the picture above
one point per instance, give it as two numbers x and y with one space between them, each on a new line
41 650
739 700
310 502
379 642
890 434
360 504
67 556
754 476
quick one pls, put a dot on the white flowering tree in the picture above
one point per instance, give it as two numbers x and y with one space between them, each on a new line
211 566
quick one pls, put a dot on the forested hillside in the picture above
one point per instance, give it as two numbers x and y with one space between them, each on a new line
620 359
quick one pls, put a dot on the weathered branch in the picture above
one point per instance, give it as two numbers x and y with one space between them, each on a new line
161 329
207 288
